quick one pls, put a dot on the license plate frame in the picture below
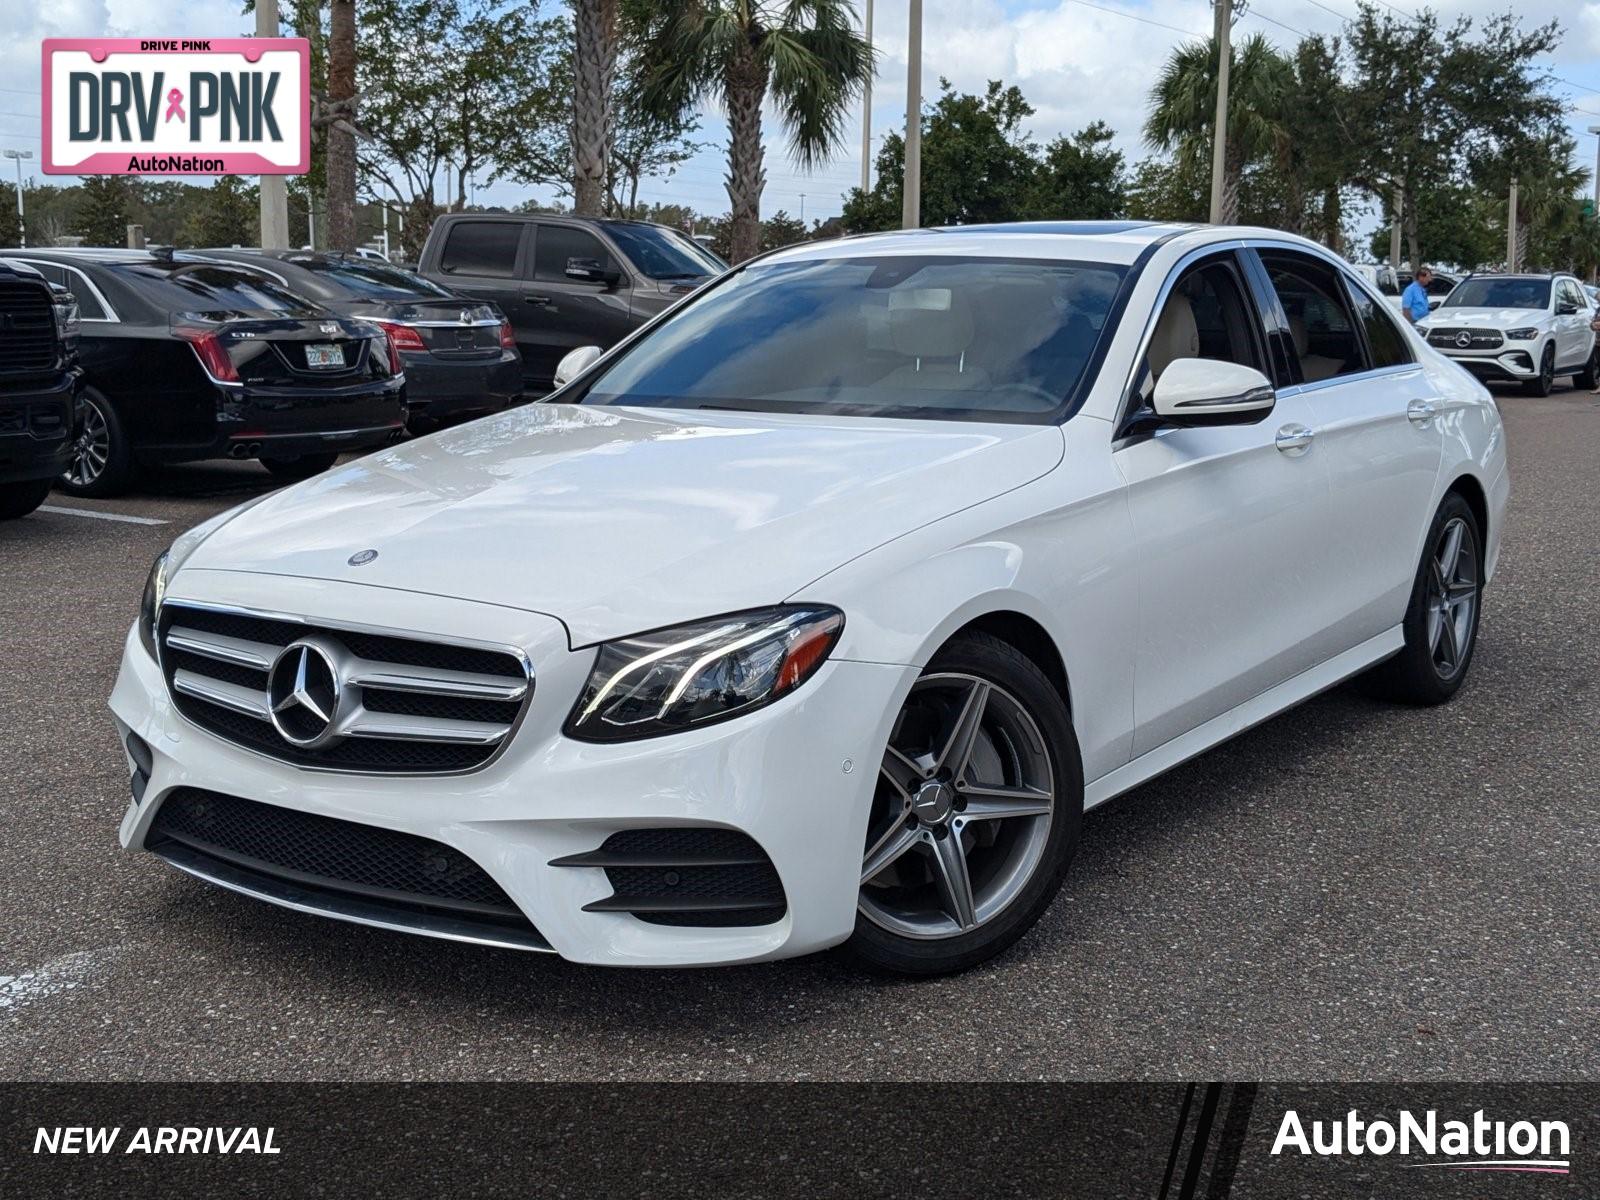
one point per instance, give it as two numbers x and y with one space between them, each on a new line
325 356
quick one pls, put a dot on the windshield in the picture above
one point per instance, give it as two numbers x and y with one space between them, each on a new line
661 253
943 337
368 278
211 287
1500 293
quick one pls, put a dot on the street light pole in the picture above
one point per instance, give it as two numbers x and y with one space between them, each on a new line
22 220
1511 228
911 208
1219 138
1596 129
274 188
866 112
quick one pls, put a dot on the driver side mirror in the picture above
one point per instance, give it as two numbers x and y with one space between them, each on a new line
591 270
575 363
1206 391
1566 308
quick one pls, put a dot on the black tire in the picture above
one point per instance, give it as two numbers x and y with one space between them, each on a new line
1415 675
20 499
1017 678
1589 377
303 467
1546 379
102 463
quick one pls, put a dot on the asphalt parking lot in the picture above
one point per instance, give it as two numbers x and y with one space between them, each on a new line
1352 891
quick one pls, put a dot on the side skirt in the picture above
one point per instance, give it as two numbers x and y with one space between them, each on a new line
1246 716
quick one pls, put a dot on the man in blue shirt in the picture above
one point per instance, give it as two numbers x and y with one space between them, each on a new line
1414 300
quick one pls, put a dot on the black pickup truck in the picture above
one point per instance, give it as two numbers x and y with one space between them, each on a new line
38 386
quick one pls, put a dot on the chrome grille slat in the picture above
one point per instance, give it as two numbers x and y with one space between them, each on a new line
436 707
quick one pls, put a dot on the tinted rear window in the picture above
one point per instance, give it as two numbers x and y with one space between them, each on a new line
210 287
482 248
368 279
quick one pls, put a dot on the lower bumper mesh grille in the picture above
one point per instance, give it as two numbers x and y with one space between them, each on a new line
686 876
382 868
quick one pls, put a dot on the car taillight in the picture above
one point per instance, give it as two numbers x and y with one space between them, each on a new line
508 338
213 356
403 337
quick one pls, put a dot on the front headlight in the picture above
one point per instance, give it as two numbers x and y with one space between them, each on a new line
155 590
65 309
693 675
1522 335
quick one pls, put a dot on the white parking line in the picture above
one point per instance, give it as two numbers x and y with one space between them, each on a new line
100 516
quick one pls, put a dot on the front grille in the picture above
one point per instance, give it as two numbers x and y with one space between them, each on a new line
686 876
27 327
1480 339
329 857
400 705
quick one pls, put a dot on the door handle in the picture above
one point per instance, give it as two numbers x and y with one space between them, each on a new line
1420 412
537 301
1294 439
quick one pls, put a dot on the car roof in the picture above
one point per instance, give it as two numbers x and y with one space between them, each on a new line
1534 275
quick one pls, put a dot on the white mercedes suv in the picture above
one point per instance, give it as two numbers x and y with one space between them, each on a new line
1527 328
819 610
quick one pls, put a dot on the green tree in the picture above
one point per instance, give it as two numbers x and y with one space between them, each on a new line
101 217
978 164
1184 100
780 229
227 215
1080 178
803 55
1170 189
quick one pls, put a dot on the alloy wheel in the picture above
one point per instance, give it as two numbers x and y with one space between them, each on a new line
1452 601
92 451
962 812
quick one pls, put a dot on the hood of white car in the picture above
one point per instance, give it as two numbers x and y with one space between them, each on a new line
621 520
1487 318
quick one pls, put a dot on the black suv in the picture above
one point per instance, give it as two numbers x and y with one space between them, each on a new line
565 282
185 357
460 356
38 386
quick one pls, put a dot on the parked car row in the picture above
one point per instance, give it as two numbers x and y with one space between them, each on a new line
38 386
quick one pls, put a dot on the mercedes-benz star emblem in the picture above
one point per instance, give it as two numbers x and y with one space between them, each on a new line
1464 339
362 557
303 692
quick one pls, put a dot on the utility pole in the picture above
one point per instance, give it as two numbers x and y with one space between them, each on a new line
1592 129
911 209
866 114
1219 137
1511 229
274 188
802 210
1394 231
22 221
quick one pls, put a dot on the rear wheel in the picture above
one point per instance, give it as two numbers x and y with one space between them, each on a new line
1589 377
20 499
302 467
102 462
976 814
1542 384
1441 625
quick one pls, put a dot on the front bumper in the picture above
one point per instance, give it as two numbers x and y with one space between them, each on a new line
441 392
36 428
1513 361
797 777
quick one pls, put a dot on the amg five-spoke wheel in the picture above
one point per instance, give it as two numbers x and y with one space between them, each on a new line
1452 596
975 813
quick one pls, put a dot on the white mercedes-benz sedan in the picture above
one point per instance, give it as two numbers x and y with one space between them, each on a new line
817 612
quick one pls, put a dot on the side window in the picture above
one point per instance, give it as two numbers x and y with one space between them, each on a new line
89 306
1205 316
482 248
1384 339
1440 286
1572 294
555 244
1324 334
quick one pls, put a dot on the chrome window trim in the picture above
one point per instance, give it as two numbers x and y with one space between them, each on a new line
377 631
1318 385
100 297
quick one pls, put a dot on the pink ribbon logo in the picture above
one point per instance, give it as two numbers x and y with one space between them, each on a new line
175 105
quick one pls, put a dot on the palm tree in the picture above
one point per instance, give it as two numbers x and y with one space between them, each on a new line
805 54
340 117
594 66
1184 100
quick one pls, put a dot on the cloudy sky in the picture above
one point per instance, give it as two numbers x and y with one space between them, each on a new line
1075 60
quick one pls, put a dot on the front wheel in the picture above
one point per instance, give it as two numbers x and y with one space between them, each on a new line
20 499
975 817
1441 625
1543 383
303 467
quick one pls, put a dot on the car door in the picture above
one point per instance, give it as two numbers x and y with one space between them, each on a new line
1379 424
1229 521
1572 323
485 258
573 311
